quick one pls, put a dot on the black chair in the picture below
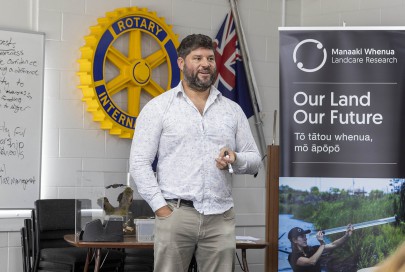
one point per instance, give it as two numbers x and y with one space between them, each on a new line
27 243
54 218
26 256
24 261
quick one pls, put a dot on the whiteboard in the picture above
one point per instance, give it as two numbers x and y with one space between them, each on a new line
21 96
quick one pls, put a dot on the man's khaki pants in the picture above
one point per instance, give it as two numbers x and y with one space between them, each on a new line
186 232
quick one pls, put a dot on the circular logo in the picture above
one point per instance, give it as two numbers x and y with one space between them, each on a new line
130 54
300 65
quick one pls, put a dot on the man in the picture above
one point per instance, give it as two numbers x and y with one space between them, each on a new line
197 135
305 258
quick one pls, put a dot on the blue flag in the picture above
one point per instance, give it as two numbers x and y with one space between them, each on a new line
231 81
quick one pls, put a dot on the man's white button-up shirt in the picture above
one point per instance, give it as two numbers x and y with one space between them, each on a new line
186 144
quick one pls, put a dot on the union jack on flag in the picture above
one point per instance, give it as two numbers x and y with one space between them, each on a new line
231 80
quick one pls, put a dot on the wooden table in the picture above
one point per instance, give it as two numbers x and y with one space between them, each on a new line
131 242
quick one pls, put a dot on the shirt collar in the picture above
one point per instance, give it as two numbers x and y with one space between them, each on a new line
214 93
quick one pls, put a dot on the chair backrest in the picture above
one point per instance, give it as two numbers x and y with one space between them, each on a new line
24 247
32 233
27 243
54 218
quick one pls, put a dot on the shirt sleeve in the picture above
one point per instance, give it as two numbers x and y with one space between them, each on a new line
248 159
144 149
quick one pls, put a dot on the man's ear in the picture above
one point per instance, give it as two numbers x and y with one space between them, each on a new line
180 63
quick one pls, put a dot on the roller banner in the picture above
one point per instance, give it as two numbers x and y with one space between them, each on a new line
342 159
342 97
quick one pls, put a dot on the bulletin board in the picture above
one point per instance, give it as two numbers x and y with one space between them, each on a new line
21 98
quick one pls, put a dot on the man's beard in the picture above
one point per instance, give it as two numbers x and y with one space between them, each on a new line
195 83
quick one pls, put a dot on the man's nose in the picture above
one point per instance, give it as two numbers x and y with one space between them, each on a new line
205 62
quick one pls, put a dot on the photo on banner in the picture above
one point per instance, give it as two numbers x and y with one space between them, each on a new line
342 92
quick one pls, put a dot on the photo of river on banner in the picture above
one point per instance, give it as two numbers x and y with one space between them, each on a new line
351 223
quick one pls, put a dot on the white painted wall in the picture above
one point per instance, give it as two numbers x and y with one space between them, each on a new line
73 142
352 12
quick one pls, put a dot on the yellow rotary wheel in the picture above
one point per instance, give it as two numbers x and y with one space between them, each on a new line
129 57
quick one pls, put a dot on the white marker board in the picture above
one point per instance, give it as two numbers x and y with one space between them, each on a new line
21 97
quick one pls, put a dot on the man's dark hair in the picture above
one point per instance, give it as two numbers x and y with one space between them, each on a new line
192 42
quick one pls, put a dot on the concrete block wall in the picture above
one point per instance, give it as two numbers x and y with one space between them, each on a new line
73 142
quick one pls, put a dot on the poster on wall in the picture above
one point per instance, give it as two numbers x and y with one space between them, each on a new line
341 190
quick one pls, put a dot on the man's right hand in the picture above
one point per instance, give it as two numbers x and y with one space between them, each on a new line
163 212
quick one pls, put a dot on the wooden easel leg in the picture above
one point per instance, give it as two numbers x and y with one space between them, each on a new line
272 213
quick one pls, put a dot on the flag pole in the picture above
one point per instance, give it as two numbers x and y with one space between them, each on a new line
249 76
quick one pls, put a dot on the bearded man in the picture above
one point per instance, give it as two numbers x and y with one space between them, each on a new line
197 135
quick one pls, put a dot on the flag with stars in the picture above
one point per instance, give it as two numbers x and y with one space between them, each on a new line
231 80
